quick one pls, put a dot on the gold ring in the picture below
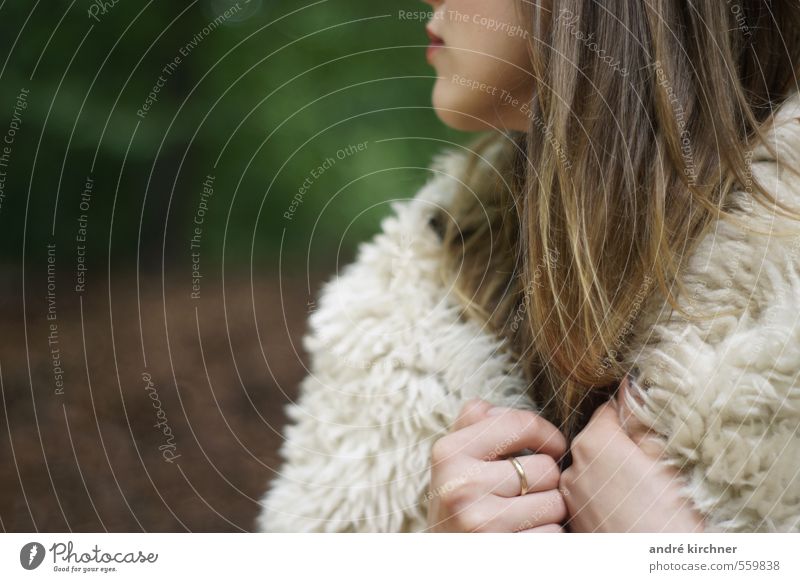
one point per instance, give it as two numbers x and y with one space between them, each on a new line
523 480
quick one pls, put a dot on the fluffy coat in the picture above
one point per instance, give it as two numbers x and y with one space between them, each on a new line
393 360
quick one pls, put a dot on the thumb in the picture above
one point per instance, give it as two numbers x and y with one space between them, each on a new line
641 434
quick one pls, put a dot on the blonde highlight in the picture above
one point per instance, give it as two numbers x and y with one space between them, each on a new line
567 229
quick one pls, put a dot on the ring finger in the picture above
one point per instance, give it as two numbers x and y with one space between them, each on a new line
501 478
496 514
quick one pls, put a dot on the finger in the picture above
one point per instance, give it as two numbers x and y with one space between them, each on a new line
606 426
601 435
624 384
641 434
501 478
624 401
548 528
471 412
605 415
499 514
604 436
509 432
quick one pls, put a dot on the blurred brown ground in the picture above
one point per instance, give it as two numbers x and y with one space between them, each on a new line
89 460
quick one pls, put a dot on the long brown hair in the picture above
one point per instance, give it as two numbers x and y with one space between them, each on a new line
641 123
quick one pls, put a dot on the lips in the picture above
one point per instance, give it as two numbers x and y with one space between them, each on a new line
436 43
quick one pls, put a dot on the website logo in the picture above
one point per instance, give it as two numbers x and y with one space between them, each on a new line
31 555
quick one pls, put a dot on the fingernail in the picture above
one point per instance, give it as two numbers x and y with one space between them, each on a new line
498 410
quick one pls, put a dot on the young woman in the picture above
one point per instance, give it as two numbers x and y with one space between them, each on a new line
588 321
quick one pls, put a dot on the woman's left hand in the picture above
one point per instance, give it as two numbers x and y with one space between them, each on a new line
616 482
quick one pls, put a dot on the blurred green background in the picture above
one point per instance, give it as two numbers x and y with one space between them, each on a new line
261 96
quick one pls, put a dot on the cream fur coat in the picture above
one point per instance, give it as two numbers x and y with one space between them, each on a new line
392 363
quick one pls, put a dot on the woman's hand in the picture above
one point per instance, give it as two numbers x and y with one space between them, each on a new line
474 489
616 482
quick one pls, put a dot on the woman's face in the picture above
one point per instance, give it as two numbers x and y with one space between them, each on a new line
479 49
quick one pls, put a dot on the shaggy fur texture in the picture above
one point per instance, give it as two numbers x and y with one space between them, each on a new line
724 393
392 362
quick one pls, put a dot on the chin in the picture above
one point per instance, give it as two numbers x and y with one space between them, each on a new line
459 121
456 113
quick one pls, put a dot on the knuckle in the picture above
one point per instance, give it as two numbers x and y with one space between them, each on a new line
549 465
442 450
528 419
471 409
560 507
522 422
566 480
584 443
469 404
458 495
551 474
474 519
577 440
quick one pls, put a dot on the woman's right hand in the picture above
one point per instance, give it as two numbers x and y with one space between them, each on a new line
475 489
